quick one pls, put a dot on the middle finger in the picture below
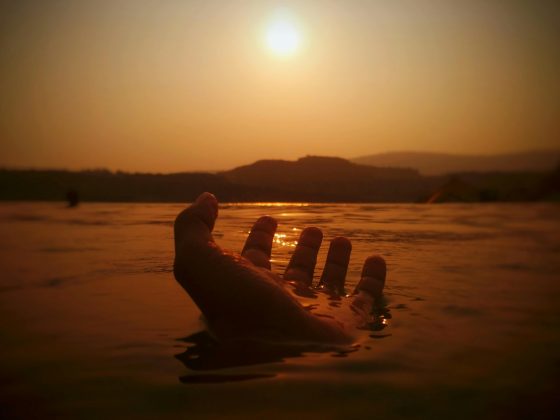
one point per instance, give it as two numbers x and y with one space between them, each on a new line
338 258
258 246
302 263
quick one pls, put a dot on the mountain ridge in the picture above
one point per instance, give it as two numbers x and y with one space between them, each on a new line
309 179
331 178
436 163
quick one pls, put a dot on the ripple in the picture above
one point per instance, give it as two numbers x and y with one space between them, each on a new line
222 378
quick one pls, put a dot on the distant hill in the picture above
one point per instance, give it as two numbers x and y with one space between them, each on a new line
332 179
309 179
441 163
312 179
102 185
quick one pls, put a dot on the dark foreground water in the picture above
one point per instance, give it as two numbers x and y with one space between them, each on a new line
91 319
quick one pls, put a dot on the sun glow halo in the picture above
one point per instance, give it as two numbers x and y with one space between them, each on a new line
282 38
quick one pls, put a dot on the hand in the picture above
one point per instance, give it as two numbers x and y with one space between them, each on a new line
241 297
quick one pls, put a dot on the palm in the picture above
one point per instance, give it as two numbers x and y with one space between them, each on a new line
241 297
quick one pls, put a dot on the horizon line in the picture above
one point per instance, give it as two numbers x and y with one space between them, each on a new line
215 171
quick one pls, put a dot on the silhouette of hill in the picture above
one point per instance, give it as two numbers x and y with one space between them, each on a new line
310 179
332 179
441 163
102 185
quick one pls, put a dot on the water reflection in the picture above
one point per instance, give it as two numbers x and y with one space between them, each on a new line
263 204
211 361
380 320
282 240
207 355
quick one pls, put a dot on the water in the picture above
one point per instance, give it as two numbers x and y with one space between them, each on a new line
91 318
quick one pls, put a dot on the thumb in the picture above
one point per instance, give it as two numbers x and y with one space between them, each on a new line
196 222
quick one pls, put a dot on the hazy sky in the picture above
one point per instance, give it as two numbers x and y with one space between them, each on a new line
174 85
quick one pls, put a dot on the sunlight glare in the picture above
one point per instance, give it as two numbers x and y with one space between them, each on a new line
282 38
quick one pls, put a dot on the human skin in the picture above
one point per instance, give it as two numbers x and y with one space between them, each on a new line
241 298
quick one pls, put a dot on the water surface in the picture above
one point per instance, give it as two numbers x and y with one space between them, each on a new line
92 320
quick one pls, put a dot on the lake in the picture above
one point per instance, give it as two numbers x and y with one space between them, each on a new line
92 320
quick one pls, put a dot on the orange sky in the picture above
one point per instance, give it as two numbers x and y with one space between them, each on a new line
175 85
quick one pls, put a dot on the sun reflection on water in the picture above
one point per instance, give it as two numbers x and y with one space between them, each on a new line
283 240
273 204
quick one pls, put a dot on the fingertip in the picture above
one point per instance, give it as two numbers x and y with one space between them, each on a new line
204 209
375 266
342 241
205 196
311 237
209 201
269 223
373 277
312 230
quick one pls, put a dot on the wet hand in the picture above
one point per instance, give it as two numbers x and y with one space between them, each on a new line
241 297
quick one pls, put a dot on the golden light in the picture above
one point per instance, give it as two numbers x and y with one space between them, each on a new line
282 37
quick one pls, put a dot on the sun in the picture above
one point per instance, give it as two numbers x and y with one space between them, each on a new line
283 38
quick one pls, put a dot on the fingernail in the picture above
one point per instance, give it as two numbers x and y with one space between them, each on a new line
209 200
204 197
268 220
376 267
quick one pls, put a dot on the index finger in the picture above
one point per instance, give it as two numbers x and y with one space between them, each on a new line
303 261
258 246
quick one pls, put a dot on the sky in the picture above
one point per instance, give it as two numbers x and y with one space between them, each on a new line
179 85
